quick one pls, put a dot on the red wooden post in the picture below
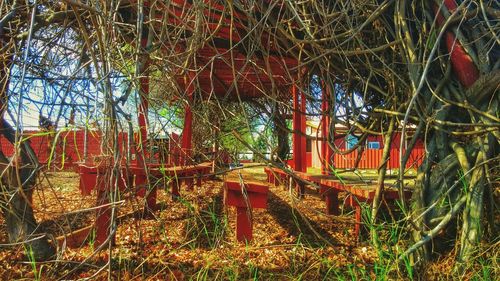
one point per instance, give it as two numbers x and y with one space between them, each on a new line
189 181
462 63
143 112
353 202
103 219
244 224
297 161
187 133
199 177
255 197
187 130
88 179
303 139
299 138
174 185
331 199
326 151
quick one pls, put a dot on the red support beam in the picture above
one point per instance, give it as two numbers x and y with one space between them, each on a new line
299 140
326 150
303 139
187 131
142 116
103 219
296 127
462 63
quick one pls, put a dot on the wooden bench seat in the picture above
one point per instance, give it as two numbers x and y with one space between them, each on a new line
250 196
186 174
330 187
97 177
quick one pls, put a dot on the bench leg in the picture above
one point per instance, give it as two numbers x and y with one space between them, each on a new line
300 188
357 227
332 202
174 185
243 225
199 180
151 202
140 185
103 219
276 180
190 182
357 216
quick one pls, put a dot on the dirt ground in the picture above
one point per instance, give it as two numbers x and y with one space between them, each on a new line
194 238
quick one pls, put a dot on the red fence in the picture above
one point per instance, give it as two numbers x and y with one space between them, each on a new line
371 159
62 149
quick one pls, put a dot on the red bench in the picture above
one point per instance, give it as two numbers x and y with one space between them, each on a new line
245 198
186 174
97 176
278 176
357 193
330 187
141 184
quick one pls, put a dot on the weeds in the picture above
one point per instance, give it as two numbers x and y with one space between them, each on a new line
37 273
92 239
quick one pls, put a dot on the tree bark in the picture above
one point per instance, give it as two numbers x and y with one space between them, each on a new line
281 132
381 178
18 179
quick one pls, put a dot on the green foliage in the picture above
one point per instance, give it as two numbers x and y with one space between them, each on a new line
37 273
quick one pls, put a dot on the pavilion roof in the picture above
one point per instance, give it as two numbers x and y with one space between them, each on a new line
226 63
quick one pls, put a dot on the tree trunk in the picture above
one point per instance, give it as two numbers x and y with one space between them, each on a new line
381 178
281 132
18 180
17 188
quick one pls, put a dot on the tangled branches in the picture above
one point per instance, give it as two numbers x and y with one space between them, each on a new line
432 65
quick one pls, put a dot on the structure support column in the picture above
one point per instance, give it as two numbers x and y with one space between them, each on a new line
187 131
142 115
103 218
299 139
142 118
303 138
299 125
326 150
